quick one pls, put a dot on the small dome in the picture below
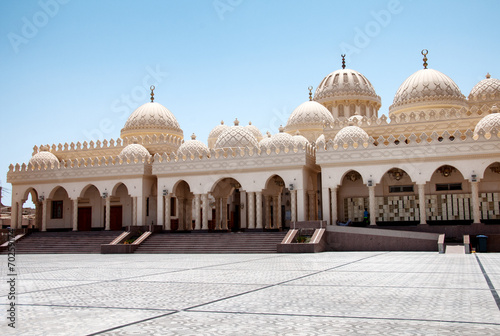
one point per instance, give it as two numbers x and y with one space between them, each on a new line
236 137
134 150
355 118
488 122
193 146
299 139
353 133
44 157
427 88
264 143
215 132
255 131
485 91
281 139
345 84
149 119
320 140
308 118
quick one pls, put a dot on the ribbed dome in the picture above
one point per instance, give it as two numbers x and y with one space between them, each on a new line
215 132
308 116
44 157
345 84
255 131
353 133
151 118
485 91
488 122
426 88
236 137
134 150
193 146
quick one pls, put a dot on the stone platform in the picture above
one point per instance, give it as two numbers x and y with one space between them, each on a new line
330 293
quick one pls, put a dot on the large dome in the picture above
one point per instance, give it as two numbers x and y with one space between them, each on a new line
308 118
353 133
236 137
345 84
44 158
193 146
427 88
149 119
486 91
487 123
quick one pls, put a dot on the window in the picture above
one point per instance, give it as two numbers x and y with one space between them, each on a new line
57 209
400 188
448 186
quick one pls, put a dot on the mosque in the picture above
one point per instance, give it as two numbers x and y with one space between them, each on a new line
435 160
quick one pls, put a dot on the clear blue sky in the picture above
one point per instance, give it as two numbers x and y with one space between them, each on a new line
73 70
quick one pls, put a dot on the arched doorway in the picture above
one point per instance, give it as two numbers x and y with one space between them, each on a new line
489 195
90 209
183 205
277 204
120 208
352 198
228 205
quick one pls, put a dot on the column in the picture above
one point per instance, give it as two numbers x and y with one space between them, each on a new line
134 211
204 199
160 217
421 203
168 222
258 196
140 210
278 209
251 210
189 214
325 211
301 206
476 214
243 210
20 215
267 210
224 213
293 195
13 215
197 207
275 224
44 215
180 213
108 213
371 202
75 214
312 201
218 210
333 202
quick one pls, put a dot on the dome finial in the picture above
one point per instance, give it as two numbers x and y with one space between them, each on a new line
343 61
236 122
488 76
424 53
310 93
281 129
152 88
193 136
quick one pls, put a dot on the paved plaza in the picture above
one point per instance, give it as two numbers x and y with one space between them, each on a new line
331 293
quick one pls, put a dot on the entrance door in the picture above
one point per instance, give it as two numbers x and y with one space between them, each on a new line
116 218
84 219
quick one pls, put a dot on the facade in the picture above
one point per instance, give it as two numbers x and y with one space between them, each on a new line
436 161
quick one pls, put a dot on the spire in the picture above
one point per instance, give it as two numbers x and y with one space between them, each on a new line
424 53
488 76
310 93
152 87
343 61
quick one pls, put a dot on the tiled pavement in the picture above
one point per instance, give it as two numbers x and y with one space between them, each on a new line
332 293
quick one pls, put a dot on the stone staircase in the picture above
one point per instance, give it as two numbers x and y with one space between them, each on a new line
64 242
212 242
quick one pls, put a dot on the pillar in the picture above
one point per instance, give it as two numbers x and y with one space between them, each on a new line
140 210
134 211
275 223
180 213
293 195
108 213
251 210
189 214
75 214
267 209
476 214
224 213
160 216
312 200
333 202
44 215
205 205
218 210
278 209
371 203
258 200
243 210
325 206
20 215
421 203
168 222
13 215
197 207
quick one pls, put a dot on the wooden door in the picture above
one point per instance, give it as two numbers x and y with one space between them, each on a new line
116 217
84 219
